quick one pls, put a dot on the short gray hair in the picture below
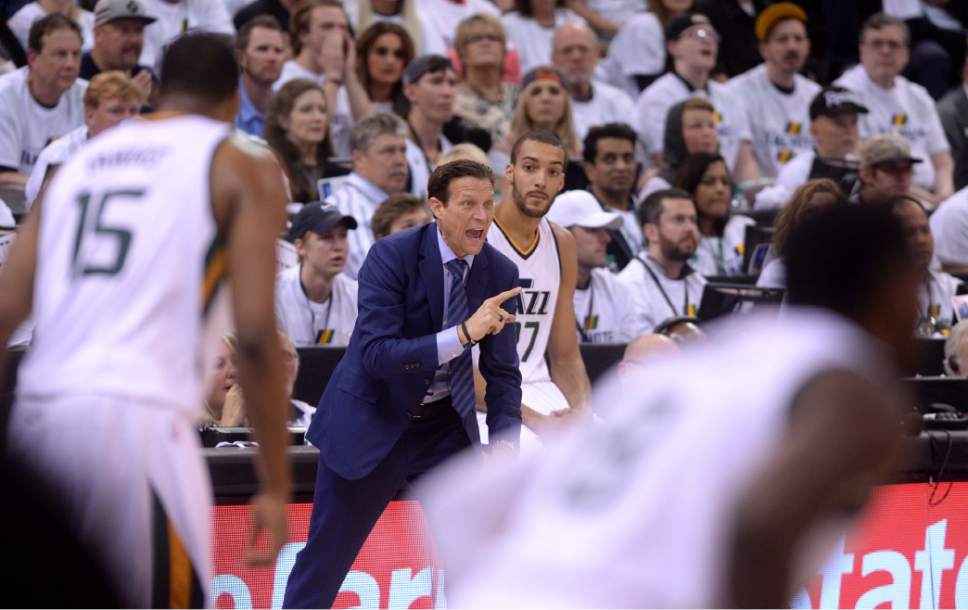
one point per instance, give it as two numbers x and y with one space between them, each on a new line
367 130
953 367
879 21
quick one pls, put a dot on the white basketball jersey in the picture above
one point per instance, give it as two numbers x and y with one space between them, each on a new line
539 267
636 510
128 265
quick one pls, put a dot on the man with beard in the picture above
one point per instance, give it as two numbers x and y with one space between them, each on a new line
663 284
936 313
774 96
262 52
119 36
554 381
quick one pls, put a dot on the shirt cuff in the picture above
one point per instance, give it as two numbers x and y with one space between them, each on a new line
448 345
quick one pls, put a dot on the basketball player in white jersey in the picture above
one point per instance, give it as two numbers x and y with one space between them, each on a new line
722 494
547 264
120 262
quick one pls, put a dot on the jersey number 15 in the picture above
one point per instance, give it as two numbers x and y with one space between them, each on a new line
92 229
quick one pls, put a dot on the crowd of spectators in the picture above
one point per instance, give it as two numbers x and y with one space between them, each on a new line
687 123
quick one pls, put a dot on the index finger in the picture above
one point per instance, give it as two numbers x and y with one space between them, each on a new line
504 296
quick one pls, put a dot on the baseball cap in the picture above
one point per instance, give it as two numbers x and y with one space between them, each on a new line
106 11
886 148
580 208
681 23
318 218
424 64
774 14
543 73
832 101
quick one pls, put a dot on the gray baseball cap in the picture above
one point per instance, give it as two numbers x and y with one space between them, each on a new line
106 11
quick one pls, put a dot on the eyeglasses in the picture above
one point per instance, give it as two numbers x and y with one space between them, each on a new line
702 33
383 52
483 38
891 45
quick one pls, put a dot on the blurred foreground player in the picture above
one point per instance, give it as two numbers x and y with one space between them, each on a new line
716 494
121 260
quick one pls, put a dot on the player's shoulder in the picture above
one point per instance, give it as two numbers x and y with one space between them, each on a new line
563 238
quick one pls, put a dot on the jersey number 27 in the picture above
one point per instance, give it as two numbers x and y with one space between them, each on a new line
92 229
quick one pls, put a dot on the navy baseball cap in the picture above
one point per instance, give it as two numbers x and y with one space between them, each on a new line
318 218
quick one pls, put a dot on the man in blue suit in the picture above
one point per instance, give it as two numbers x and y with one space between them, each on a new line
402 398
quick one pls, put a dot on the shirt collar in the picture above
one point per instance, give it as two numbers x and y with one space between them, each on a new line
367 188
446 254
247 110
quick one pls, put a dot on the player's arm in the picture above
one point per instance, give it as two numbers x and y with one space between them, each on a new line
567 368
746 168
843 438
17 282
249 201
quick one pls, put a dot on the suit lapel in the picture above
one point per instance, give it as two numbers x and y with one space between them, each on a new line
432 272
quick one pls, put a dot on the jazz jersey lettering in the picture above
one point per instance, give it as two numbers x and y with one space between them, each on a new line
539 266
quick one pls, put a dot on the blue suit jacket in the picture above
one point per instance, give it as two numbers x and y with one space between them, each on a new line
392 355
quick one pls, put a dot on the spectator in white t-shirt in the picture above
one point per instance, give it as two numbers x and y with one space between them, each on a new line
693 45
315 301
949 225
899 106
936 310
662 282
637 54
705 177
531 26
774 96
21 21
44 99
324 52
604 306
833 124
175 17
575 53
110 98
886 169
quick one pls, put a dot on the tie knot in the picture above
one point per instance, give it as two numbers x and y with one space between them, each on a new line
457 267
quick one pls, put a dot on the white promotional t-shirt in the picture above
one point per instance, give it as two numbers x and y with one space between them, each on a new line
722 255
312 324
653 106
949 225
531 39
176 18
608 104
340 121
605 310
779 121
57 152
26 127
907 109
638 48
658 297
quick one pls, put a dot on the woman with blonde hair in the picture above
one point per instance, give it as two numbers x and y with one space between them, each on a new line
807 198
544 103
297 130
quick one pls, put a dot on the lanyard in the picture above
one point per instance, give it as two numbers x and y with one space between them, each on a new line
319 336
658 284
